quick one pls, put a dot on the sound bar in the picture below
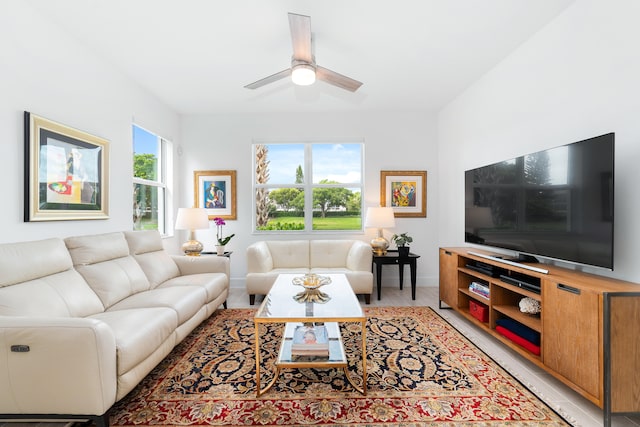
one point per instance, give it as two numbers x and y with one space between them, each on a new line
483 270
506 261
521 283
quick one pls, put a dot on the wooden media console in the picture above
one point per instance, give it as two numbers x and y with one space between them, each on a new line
588 326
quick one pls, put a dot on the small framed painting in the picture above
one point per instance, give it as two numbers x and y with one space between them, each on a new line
405 192
66 173
216 192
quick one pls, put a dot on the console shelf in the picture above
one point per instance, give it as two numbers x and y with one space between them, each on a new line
475 296
580 331
512 312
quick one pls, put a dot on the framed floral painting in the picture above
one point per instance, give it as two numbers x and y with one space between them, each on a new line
66 172
216 192
405 192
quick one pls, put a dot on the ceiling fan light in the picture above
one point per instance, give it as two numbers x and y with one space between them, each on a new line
303 75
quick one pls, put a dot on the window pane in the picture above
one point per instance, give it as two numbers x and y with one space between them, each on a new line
280 209
147 201
337 163
337 208
146 155
279 163
334 194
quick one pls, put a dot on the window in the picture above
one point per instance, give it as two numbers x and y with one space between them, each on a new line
151 158
308 186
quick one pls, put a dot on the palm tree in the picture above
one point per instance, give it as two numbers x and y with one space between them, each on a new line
262 177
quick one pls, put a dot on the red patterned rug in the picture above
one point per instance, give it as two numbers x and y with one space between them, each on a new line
421 371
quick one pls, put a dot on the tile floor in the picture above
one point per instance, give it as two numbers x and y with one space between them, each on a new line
576 409
573 407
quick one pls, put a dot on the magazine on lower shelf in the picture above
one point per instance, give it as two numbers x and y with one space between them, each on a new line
479 289
309 340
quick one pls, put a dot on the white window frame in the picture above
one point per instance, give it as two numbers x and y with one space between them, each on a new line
308 186
164 183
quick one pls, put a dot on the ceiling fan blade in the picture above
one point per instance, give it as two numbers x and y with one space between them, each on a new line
300 26
272 78
337 79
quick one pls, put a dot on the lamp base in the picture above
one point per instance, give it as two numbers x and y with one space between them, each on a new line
192 248
379 245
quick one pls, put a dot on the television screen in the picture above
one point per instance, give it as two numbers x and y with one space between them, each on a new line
556 203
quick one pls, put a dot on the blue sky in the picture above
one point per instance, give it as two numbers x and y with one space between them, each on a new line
336 162
145 142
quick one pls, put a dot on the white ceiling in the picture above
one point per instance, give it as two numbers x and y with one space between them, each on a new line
196 55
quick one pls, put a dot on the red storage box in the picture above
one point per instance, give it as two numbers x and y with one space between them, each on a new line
479 310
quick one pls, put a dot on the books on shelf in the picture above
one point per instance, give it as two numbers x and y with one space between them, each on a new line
479 289
309 340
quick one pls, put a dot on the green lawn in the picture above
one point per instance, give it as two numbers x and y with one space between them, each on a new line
329 223
147 224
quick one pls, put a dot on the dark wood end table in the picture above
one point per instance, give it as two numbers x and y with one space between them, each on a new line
392 257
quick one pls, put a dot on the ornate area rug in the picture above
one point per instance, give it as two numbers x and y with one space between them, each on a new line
421 371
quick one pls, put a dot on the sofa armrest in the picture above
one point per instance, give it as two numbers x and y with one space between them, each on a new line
259 258
56 366
202 264
360 256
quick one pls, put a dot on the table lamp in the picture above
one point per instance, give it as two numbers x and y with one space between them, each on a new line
192 219
380 218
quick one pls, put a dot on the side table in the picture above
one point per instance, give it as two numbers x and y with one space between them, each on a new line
392 257
227 254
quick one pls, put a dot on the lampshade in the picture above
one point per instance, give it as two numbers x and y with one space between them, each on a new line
192 219
303 74
380 218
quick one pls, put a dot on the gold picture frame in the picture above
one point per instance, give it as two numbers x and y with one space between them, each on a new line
66 173
405 192
215 190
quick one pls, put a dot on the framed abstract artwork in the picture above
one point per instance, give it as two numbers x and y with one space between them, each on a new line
216 192
405 192
66 172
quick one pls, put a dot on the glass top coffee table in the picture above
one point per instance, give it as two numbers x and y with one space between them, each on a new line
287 304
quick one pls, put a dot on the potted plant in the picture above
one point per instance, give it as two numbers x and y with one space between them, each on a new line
402 242
222 241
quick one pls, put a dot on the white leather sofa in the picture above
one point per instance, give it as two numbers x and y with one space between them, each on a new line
267 259
85 319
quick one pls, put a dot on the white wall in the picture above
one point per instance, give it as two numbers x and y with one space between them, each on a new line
49 73
393 141
577 78
46 72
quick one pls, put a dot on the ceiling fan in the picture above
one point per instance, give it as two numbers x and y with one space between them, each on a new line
304 69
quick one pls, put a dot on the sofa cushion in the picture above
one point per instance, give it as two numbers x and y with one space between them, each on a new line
277 271
214 284
289 253
147 249
139 332
329 253
185 300
43 286
64 294
18 265
104 262
96 248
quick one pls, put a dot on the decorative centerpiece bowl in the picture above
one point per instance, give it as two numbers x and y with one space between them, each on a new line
311 284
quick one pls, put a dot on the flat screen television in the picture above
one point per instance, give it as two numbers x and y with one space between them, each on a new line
556 203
